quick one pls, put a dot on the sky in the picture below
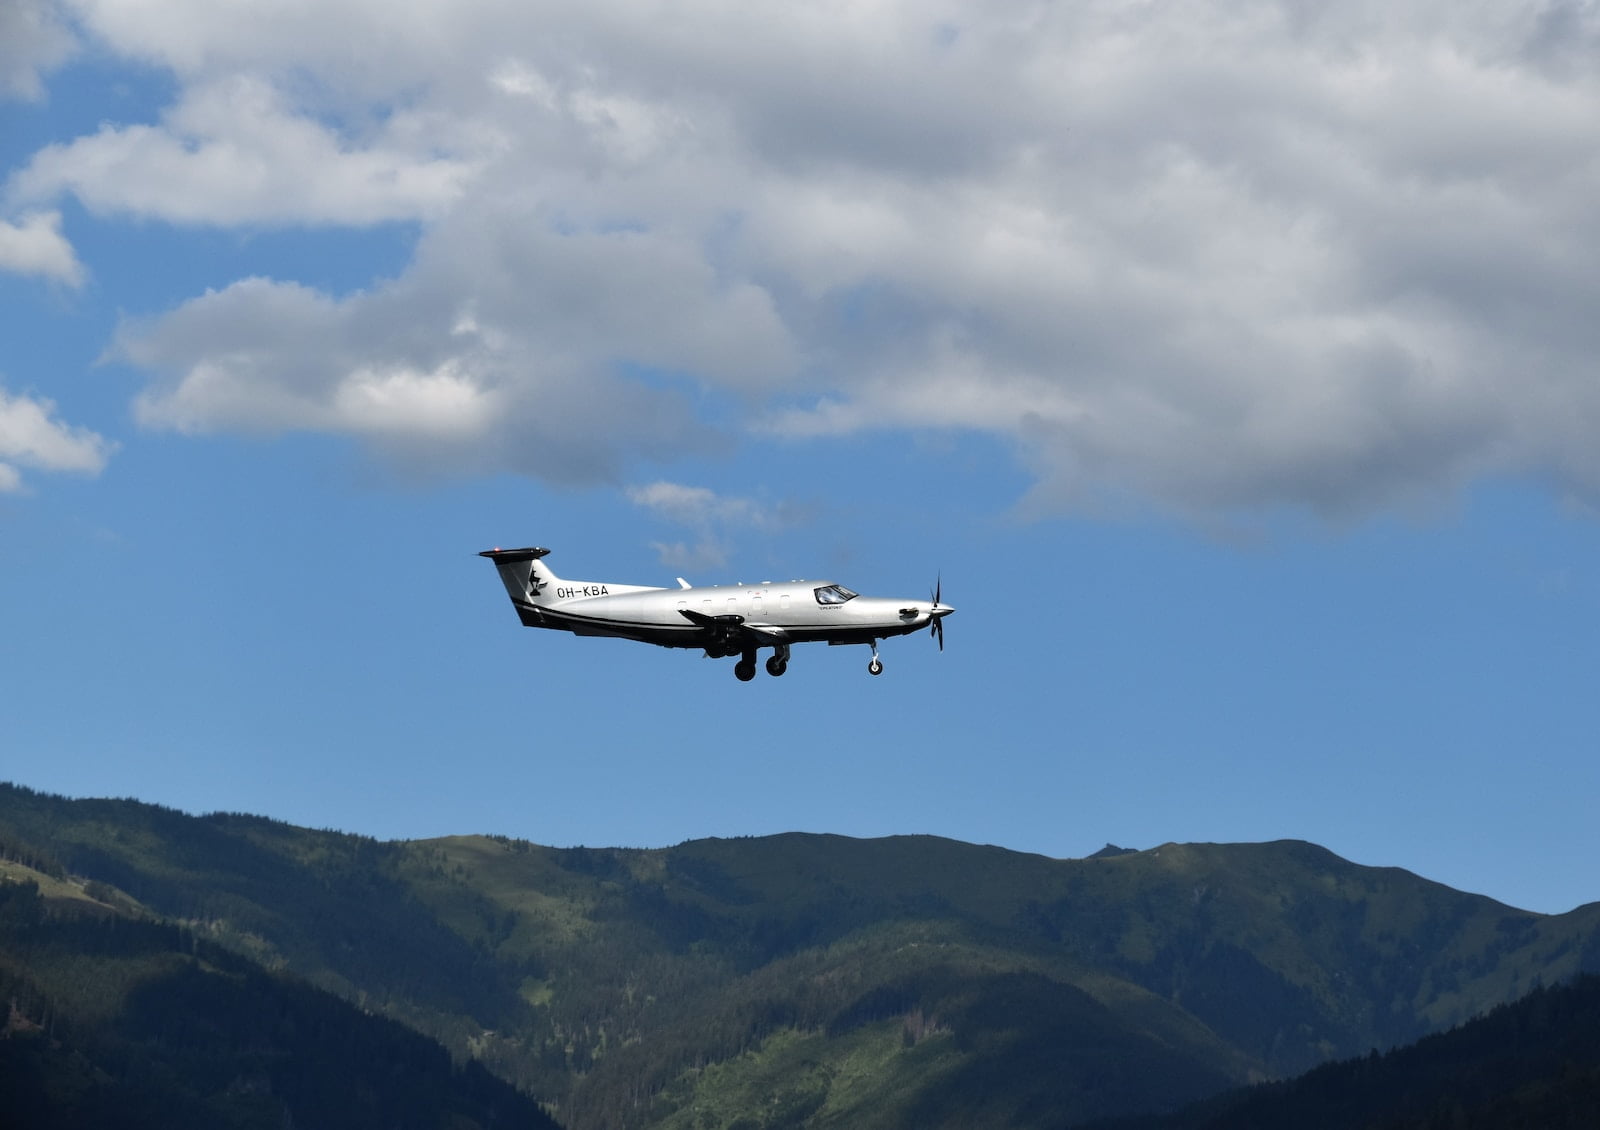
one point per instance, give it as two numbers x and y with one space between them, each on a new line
1231 363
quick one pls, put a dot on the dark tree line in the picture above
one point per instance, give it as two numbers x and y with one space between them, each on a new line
1532 1063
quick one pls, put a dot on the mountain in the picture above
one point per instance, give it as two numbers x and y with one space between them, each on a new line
1535 1062
824 981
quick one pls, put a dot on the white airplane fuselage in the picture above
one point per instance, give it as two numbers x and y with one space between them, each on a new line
720 619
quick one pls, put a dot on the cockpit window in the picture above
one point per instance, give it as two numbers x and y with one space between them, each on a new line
834 594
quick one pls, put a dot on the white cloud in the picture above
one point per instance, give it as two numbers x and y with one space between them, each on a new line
31 437
431 385
1221 255
32 40
710 517
35 246
232 153
694 506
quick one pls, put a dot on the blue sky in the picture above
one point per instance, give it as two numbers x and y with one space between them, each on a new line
1232 365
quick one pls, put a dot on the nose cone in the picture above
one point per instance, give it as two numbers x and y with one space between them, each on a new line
939 612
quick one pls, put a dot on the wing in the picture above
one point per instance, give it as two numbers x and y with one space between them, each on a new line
734 628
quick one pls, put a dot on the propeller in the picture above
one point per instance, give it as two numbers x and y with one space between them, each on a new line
936 626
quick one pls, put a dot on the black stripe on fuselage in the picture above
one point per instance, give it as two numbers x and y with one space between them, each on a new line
543 616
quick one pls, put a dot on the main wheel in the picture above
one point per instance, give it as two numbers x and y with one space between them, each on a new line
744 670
776 666
876 666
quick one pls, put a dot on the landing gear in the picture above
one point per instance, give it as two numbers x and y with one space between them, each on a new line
875 665
777 663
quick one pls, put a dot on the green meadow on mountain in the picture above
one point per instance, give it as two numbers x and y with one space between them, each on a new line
795 980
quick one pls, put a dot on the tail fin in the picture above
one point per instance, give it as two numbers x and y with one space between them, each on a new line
526 577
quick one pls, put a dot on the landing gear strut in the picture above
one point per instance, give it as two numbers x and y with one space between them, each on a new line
875 665
779 661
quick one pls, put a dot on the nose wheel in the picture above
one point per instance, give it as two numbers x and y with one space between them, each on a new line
875 665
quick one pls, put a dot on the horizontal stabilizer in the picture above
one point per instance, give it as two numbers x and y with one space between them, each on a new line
511 556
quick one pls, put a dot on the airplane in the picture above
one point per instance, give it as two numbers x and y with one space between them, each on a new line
724 620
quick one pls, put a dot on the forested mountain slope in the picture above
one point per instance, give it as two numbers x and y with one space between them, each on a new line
824 981
116 1020
1534 1063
